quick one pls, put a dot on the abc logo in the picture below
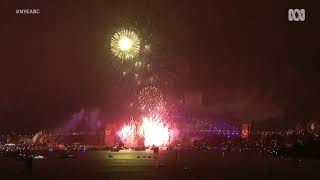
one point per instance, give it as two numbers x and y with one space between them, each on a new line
296 15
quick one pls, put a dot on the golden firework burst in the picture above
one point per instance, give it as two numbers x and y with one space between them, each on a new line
125 44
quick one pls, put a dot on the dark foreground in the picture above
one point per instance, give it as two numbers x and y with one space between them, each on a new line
169 165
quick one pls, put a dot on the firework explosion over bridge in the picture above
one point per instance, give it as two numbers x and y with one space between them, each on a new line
151 127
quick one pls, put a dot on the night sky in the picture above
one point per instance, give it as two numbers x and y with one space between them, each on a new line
242 55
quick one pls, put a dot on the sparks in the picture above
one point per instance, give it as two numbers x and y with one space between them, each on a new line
127 134
155 132
125 44
151 99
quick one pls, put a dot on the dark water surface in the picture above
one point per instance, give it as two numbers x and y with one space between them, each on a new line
168 165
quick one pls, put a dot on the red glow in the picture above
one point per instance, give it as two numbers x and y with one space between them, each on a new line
153 130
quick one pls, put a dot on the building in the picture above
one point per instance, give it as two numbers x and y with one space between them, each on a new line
245 130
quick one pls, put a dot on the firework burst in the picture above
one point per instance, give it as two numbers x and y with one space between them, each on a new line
128 134
155 132
151 99
125 44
